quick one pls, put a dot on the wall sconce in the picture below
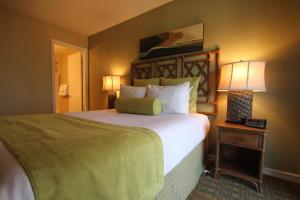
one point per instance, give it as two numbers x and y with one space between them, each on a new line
111 83
241 79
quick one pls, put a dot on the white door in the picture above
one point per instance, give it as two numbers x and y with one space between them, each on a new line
75 82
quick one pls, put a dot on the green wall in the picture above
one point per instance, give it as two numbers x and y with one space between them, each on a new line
250 30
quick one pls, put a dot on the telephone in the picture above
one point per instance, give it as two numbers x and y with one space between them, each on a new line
257 123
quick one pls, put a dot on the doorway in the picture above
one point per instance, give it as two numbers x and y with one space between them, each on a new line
70 80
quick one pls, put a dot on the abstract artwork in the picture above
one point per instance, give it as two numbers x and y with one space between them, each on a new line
182 40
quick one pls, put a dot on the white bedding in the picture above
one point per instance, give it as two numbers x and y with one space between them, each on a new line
179 135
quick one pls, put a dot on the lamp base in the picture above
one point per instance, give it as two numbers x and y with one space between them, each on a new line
239 106
111 100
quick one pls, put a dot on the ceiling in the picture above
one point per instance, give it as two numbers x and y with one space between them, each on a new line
85 17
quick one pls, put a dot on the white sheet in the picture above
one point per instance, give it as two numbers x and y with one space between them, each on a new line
179 135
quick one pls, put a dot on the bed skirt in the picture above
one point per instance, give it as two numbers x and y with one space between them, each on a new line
180 182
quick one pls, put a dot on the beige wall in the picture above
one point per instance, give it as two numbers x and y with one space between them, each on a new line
251 30
25 62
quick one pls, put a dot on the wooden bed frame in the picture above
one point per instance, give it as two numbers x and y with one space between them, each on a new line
201 63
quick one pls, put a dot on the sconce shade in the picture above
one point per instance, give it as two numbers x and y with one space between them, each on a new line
244 75
111 83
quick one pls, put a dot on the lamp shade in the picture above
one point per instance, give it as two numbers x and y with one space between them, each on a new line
111 83
244 75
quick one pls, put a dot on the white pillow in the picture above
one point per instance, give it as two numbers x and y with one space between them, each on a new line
132 92
174 99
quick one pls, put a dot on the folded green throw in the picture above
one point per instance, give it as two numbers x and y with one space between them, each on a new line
142 106
71 158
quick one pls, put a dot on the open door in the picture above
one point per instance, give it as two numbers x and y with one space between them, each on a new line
70 78
75 82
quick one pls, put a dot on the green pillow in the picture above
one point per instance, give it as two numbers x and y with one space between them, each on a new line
194 81
145 82
141 106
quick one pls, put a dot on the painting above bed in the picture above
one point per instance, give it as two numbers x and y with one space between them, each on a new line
182 40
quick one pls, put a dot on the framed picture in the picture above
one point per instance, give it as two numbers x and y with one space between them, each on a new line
182 40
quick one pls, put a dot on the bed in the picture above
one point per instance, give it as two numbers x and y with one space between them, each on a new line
187 132
182 136
182 166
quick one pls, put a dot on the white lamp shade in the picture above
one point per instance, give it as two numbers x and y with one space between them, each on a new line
111 83
244 75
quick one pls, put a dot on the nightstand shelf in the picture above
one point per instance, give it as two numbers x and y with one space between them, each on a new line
240 152
238 168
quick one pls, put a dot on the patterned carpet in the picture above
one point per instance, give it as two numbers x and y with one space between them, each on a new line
229 188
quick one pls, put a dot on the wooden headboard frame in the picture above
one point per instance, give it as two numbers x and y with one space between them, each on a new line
203 63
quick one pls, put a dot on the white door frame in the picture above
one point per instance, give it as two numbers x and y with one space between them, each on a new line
85 79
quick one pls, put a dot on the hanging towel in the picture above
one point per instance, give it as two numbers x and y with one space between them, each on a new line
63 90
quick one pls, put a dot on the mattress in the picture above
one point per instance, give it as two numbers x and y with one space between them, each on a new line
180 134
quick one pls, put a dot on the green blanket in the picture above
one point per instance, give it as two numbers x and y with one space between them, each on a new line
71 158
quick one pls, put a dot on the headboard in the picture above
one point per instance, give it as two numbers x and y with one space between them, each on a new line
202 63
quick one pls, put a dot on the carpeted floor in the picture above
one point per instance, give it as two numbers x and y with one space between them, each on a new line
229 188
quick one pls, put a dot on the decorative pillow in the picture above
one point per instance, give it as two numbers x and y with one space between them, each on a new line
132 92
194 81
142 106
174 99
145 82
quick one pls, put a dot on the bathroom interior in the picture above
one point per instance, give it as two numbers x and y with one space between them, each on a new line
68 79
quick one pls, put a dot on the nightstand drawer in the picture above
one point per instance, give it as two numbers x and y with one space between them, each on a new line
249 140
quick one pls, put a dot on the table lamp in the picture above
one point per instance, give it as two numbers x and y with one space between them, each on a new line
241 79
111 83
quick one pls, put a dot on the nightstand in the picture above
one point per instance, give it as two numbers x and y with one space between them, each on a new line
240 152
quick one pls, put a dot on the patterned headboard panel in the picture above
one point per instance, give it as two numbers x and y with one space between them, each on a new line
203 64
